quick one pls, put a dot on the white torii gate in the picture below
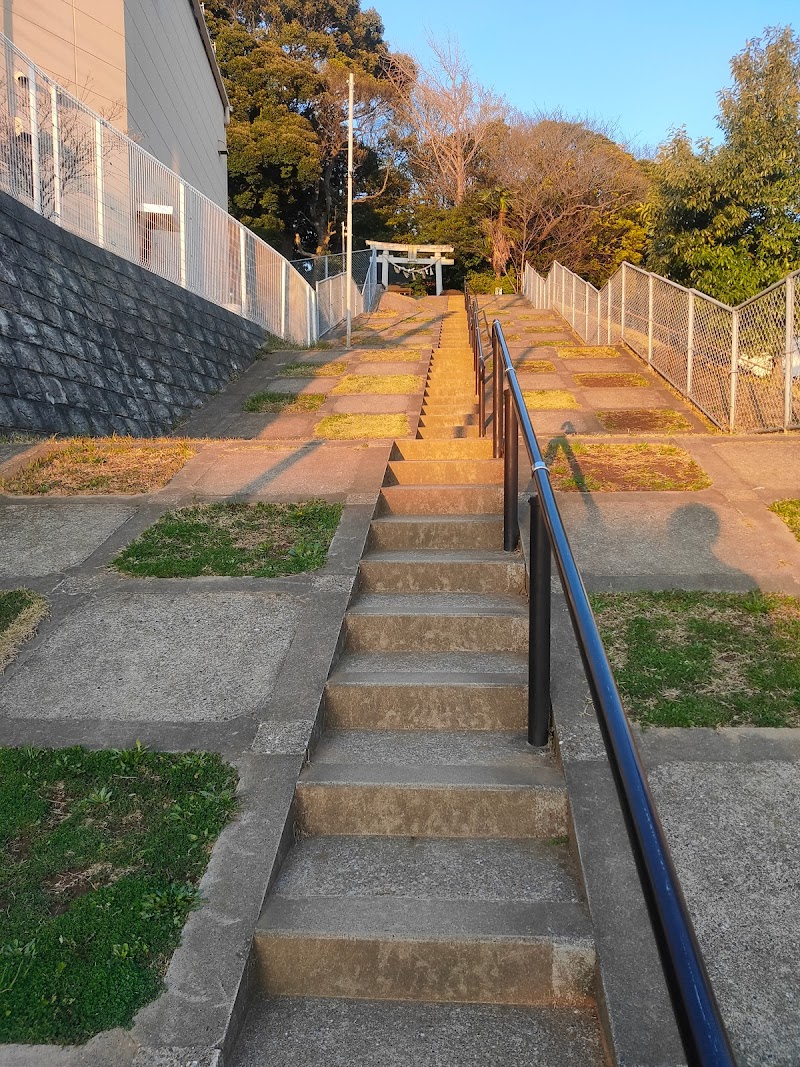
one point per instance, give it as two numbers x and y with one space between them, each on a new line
411 257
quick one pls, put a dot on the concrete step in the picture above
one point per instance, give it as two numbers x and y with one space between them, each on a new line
444 433
339 1033
437 622
448 411
479 921
444 691
483 532
444 472
440 500
481 449
442 571
413 783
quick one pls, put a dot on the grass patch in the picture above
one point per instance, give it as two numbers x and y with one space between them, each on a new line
573 351
102 465
535 366
100 856
21 611
704 659
591 468
644 420
612 381
352 427
789 511
549 399
272 403
379 384
313 370
235 540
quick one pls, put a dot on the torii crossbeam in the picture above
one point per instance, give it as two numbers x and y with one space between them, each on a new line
412 256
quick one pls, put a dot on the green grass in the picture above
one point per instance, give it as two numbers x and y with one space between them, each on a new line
21 610
235 540
274 403
102 465
100 856
331 369
789 511
354 427
704 659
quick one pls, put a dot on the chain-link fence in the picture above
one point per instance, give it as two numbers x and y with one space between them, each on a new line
739 365
327 275
71 166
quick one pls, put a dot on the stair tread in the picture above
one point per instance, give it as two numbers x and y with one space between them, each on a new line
464 604
443 555
425 920
440 749
320 1032
469 666
429 869
484 520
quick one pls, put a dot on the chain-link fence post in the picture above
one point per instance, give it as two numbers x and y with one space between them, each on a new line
650 319
54 121
734 368
33 115
787 361
690 347
98 159
622 305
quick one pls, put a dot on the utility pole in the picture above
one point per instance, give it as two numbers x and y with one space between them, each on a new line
349 280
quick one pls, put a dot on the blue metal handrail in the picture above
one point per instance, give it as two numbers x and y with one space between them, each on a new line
697 1013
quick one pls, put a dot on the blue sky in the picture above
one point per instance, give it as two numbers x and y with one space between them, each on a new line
646 66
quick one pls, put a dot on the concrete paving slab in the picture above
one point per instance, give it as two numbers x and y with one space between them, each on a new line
733 832
677 540
603 399
571 421
41 537
11 449
269 427
174 657
367 404
300 385
414 366
771 465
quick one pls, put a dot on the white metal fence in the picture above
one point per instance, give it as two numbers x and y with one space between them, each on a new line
70 165
739 365
327 273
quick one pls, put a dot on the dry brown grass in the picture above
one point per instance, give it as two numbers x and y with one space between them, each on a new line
598 468
21 611
353 427
94 465
313 369
535 366
394 354
379 384
612 381
549 399
644 420
569 350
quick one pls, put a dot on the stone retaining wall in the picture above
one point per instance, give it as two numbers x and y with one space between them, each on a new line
93 344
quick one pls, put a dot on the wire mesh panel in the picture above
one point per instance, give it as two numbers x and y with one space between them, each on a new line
671 307
637 310
760 397
70 165
712 359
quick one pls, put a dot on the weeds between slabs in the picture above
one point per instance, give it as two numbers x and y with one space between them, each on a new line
100 857
234 540
21 611
353 427
591 468
704 659
789 511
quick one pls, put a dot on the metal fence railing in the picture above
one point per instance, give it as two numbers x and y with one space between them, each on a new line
738 365
327 274
74 168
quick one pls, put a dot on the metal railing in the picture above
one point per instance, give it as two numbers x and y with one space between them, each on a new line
739 365
696 1011
73 167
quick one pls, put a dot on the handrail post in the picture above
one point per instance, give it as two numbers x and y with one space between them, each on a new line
510 476
539 708
497 398
481 399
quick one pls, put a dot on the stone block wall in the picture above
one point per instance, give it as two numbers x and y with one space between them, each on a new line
93 344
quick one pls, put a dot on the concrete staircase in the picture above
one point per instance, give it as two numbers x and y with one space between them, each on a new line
429 912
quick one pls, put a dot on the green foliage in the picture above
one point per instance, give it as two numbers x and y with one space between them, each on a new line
486 282
261 540
726 219
789 511
100 856
704 659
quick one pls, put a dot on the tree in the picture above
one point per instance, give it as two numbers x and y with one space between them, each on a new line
449 118
726 219
286 68
572 194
